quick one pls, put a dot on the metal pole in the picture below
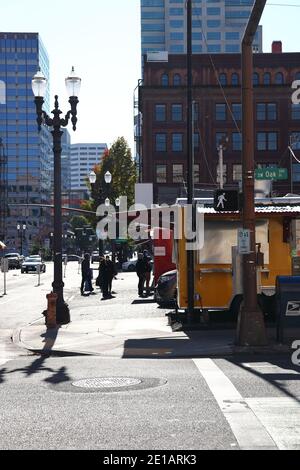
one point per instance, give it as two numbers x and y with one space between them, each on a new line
221 166
62 310
4 283
190 162
251 328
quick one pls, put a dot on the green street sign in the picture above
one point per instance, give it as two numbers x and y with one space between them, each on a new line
271 174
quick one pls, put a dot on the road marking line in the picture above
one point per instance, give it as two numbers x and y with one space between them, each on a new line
246 427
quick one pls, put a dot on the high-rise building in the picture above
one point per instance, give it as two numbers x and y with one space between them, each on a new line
218 26
28 151
83 159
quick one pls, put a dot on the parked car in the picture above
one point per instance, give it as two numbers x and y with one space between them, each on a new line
14 260
31 264
95 257
165 292
129 265
74 258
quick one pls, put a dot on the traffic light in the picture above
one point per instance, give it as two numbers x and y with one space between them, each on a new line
226 200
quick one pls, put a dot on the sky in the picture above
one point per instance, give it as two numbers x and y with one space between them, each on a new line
101 39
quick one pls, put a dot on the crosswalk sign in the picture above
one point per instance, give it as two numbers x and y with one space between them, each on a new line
226 200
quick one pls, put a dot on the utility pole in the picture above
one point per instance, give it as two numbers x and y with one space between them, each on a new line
251 328
190 163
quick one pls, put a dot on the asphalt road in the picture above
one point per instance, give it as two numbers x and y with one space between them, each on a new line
236 402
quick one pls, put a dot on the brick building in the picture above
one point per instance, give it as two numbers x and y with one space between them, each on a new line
217 113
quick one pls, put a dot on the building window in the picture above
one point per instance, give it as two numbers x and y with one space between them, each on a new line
219 137
161 173
295 140
221 112
223 79
161 142
224 174
177 173
267 141
266 111
295 111
267 78
297 76
236 141
279 78
197 173
176 112
196 111
296 172
177 142
235 80
160 112
177 80
237 111
237 173
255 79
165 80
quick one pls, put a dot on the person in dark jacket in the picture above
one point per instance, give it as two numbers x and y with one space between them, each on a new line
86 281
141 272
104 276
148 269
111 273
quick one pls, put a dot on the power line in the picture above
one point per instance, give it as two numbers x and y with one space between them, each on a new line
282 5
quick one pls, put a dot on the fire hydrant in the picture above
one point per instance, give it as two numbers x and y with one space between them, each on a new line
51 310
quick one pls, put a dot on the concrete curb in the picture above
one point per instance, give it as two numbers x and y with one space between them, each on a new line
192 351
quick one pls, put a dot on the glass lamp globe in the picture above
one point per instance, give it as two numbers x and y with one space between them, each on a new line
108 177
92 177
39 84
73 83
118 202
107 202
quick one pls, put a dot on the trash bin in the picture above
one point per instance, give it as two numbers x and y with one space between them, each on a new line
287 304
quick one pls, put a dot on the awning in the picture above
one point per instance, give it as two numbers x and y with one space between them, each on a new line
2 246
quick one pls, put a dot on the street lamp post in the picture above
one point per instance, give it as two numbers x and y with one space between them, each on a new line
21 229
39 86
107 179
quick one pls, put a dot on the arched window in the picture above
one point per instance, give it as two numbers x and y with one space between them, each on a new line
255 79
223 78
165 79
177 80
267 78
235 79
279 78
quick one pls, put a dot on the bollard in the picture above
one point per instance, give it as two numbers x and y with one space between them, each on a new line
51 310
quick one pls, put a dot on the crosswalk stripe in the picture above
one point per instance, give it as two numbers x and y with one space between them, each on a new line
246 427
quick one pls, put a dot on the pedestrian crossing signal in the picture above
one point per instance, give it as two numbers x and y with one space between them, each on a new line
226 200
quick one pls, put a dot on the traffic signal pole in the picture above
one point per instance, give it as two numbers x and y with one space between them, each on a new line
251 328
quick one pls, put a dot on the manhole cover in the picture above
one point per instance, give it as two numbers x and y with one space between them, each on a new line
107 382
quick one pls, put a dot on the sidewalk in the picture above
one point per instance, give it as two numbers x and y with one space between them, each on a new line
128 327
133 338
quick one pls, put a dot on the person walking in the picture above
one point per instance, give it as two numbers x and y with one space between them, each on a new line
86 279
104 276
110 273
148 270
141 272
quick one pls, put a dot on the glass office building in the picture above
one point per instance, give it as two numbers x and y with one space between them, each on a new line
28 152
218 26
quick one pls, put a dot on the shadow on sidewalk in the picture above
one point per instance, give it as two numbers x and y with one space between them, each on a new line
38 365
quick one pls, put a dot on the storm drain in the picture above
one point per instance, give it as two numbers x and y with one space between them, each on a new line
107 382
